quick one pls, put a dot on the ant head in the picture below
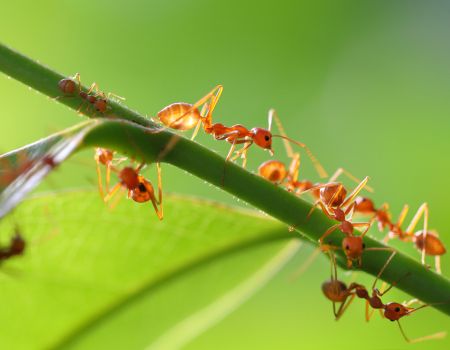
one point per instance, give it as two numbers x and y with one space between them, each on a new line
431 243
273 170
335 290
353 246
263 138
103 155
129 178
143 192
395 311
364 205
334 194
67 86
100 105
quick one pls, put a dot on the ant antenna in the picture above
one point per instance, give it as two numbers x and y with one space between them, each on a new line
321 171
438 335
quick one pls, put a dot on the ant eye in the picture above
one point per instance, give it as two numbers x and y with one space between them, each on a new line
397 309
347 247
267 138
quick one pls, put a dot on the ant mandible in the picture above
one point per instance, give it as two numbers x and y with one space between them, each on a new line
275 171
427 242
185 116
139 189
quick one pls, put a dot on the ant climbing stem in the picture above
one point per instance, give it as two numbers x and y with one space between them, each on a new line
98 99
185 116
427 242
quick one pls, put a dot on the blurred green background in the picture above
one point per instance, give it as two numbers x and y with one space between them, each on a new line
364 83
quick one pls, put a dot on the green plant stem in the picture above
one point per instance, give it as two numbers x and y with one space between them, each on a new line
149 145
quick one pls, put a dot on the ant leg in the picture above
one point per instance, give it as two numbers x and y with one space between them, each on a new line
307 263
437 264
197 127
99 179
108 176
327 233
287 146
344 306
422 211
341 171
369 312
119 196
367 225
402 215
438 335
160 191
214 96
324 208
355 192
388 261
111 193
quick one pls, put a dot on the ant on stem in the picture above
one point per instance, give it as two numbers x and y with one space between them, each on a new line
185 116
427 242
98 99
336 205
337 291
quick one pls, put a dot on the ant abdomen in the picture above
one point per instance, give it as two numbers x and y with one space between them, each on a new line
143 192
433 245
333 195
335 290
273 171
67 86
180 116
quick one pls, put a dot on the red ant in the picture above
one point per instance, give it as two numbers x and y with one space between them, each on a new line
139 189
70 86
185 116
337 291
427 242
15 247
337 206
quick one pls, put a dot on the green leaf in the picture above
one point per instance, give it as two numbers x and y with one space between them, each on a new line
120 277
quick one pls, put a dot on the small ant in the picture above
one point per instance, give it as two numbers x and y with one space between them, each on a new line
15 247
185 116
427 242
139 189
275 171
70 86
337 291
